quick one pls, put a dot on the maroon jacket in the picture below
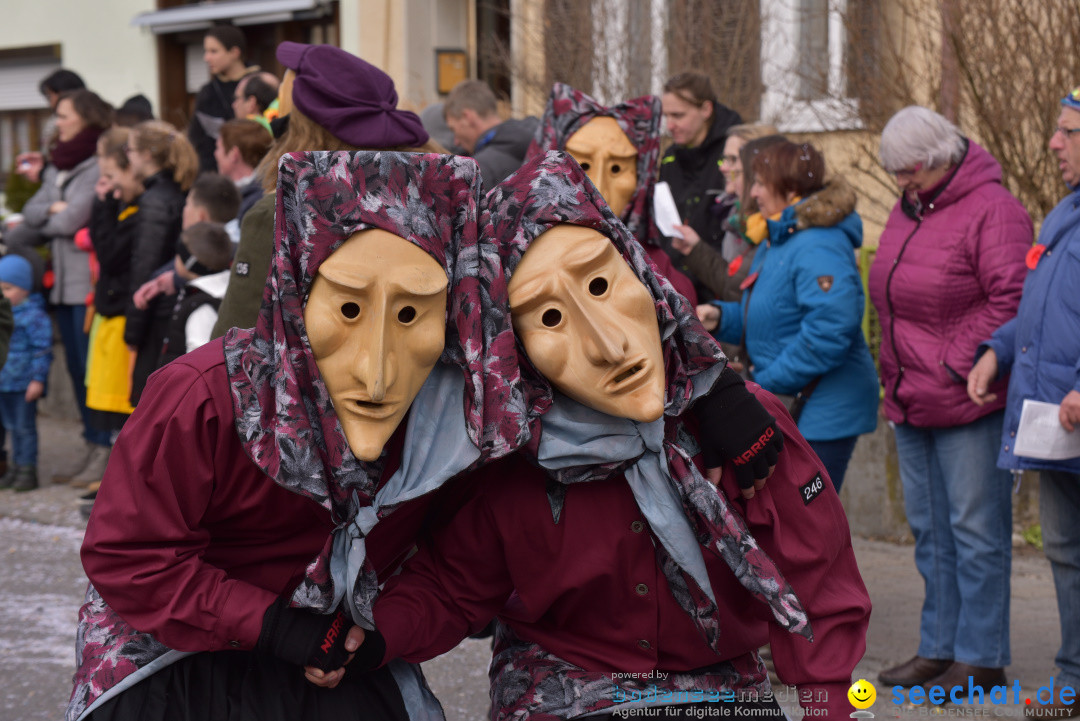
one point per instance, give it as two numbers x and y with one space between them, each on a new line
667 269
944 279
589 589
193 546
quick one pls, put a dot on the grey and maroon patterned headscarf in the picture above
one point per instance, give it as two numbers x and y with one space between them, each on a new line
568 111
284 415
576 444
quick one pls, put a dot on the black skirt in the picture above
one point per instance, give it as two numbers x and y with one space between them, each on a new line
249 686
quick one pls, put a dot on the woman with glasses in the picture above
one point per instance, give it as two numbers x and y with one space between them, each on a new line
722 269
722 266
801 308
949 271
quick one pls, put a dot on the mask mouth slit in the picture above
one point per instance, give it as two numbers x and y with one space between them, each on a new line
628 373
370 405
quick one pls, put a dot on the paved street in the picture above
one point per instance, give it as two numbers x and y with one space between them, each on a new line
41 588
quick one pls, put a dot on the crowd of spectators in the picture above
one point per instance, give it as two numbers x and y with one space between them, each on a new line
144 242
101 235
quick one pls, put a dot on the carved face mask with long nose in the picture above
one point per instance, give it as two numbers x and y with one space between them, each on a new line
376 321
608 157
588 323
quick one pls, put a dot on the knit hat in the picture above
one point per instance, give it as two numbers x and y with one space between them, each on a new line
16 270
1072 100
351 98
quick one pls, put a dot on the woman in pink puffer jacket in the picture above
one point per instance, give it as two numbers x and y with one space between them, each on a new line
949 270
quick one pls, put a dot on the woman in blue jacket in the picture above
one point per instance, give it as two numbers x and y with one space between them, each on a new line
802 304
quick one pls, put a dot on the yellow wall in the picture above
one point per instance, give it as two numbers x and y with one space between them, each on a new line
400 37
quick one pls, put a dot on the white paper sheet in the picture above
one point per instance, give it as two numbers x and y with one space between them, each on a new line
1041 434
665 212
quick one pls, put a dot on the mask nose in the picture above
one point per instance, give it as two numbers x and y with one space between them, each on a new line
603 342
375 359
599 178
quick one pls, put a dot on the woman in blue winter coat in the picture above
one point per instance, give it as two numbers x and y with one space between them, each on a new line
802 304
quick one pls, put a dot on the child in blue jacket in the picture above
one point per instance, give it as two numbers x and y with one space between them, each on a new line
22 379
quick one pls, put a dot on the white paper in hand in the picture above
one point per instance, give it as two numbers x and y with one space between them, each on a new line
1041 434
665 212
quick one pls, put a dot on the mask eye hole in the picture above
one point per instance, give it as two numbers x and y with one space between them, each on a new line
551 318
616 168
586 166
598 286
407 314
350 310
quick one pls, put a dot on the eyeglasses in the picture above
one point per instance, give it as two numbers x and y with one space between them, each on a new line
1065 132
727 164
907 172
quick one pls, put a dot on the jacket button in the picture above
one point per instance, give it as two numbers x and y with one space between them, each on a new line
1006 448
637 526
1024 349
644 644
1012 434
234 644
641 589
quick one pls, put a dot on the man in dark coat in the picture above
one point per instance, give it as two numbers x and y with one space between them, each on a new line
699 125
497 145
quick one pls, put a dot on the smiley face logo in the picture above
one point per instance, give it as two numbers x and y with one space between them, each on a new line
862 694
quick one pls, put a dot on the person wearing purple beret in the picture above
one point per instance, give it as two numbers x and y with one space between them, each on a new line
338 102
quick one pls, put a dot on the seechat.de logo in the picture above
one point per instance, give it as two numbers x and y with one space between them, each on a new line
975 694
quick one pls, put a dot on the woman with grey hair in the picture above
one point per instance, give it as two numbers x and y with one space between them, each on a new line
949 270
919 136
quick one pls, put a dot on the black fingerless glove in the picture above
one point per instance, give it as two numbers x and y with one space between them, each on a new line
735 427
303 637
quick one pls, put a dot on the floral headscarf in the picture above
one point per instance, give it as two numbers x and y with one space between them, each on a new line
284 414
568 111
656 458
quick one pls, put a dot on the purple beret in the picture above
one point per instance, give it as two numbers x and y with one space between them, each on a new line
351 98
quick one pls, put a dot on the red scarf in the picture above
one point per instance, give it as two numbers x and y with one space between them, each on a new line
66 154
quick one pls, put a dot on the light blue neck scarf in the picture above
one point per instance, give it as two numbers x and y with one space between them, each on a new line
437 448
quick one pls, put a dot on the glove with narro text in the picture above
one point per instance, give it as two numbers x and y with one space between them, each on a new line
734 426
304 638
